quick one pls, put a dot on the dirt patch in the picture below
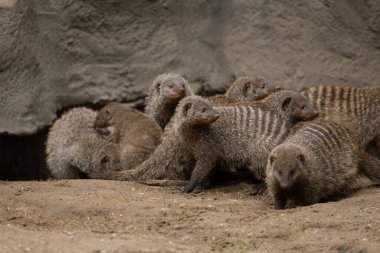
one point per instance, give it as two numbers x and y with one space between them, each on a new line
107 216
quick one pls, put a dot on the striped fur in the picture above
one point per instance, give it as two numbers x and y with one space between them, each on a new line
332 163
242 136
356 108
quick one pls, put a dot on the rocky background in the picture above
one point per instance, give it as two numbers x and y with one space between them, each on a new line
56 54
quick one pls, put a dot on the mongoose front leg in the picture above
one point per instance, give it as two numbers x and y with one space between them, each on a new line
280 200
200 172
258 188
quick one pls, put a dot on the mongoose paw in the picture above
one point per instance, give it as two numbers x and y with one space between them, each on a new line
189 188
278 206
207 182
258 188
279 202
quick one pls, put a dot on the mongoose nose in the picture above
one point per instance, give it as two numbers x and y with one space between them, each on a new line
316 113
181 88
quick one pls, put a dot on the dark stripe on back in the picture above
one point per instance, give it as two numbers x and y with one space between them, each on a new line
263 122
256 119
332 96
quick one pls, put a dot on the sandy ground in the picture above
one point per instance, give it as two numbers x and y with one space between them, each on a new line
107 216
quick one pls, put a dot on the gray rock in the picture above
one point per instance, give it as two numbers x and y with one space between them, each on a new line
59 53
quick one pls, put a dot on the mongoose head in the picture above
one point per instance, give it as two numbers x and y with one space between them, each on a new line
287 164
109 158
251 89
104 117
196 110
298 108
170 87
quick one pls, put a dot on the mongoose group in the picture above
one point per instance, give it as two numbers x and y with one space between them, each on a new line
303 148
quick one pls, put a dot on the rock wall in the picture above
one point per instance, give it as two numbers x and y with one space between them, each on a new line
59 53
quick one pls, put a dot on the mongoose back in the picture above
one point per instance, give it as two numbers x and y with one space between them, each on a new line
163 96
137 134
356 108
245 89
320 161
234 135
74 148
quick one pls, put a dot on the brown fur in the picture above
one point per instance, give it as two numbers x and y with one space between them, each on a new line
74 148
137 134
320 161
164 94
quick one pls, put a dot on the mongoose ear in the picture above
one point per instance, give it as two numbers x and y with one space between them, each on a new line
108 113
105 159
271 159
301 158
158 86
186 108
245 87
286 103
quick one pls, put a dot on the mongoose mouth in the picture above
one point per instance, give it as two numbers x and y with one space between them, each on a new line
277 88
207 119
176 94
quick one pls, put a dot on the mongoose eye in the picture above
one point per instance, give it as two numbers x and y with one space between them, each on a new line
204 110
303 107
291 173
170 86
271 159
263 86
301 158
280 172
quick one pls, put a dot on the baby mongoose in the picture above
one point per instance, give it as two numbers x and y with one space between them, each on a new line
137 134
356 108
233 135
320 161
74 148
164 94
245 89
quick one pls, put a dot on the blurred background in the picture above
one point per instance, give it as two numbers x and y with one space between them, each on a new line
57 54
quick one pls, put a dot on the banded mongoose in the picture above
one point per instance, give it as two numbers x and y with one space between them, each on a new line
245 89
320 161
137 134
74 148
233 135
288 104
163 96
356 108
170 160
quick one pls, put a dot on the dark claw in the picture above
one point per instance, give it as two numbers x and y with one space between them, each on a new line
258 188
189 188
